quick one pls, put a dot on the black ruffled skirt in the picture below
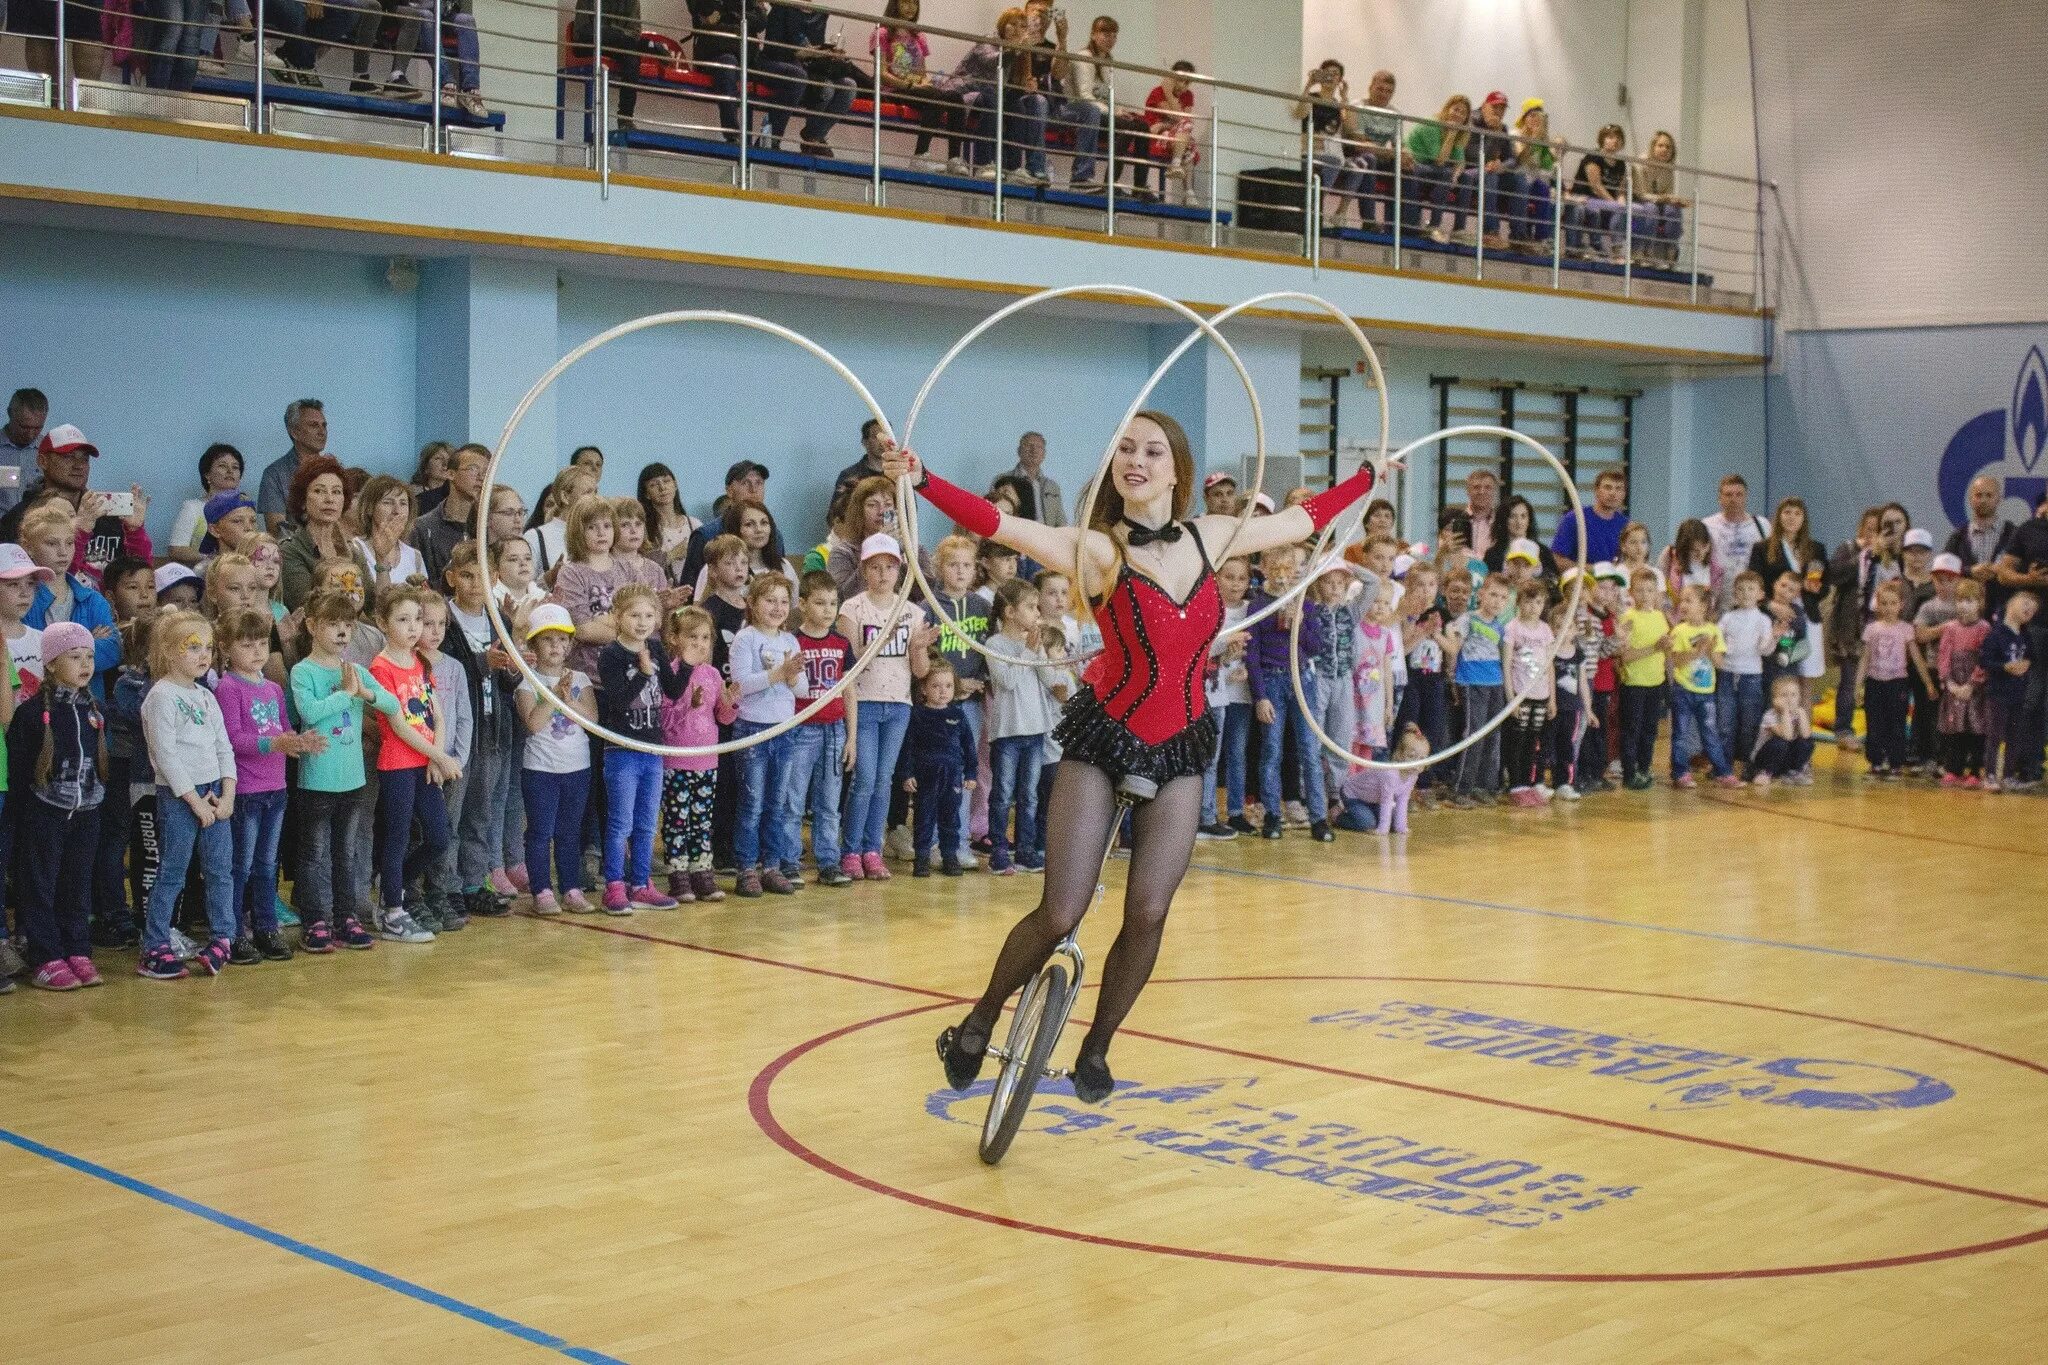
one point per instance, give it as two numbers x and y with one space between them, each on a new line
1089 734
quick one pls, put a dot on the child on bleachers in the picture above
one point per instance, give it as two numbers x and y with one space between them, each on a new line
1959 655
1696 652
1525 650
1748 637
1888 654
56 783
1646 636
2007 659
1336 618
434 902
195 773
1475 640
823 750
1278 710
768 670
941 759
629 519
883 694
411 764
1023 706
331 694
1228 690
631 685
253 711
1784 735
554 764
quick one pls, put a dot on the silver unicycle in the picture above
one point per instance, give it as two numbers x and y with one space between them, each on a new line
1043 1010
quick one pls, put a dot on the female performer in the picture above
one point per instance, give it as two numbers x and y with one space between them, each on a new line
1141 710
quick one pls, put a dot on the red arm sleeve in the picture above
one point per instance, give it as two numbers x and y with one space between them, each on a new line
1325 506
971 511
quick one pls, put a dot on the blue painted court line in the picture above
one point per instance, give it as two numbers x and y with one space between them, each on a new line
482 1316
1622 923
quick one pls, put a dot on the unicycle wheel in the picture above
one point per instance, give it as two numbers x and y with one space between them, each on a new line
1034 1032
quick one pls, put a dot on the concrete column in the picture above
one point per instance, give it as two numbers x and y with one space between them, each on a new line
486 332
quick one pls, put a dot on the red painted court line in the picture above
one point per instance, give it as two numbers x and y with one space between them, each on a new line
1417 1086
1736 803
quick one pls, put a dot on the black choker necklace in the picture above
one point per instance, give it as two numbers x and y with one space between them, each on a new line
1140 536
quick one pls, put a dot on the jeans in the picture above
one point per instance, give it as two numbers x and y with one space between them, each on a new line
1782 757
1884 702
330 829
1013 772
1503 191
938 811
1696 725
403 795
882 724
1641 709
632 794
829 102
1233 726
481 814
1086 118
170 32
759 831
976 715
784 82
464 74
1591 224
56 878
438 877
1289 722
813 782
1658 229
1336 710
554 828
182 841
258 825
1431 187
1479 766
1532 211
1024 132
1739 704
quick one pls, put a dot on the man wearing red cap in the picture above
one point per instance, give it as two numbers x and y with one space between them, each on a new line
65 458
1491 154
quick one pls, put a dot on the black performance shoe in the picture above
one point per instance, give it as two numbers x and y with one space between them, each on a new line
1271 829
1242 825
243 952
1320 832
962 1066
1092 1081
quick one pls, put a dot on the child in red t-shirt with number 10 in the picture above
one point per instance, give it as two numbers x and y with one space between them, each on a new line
825 746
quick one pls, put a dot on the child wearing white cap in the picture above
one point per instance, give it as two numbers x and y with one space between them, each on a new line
19 576
883 691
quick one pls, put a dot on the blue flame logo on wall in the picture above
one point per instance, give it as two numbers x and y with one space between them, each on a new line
1999 442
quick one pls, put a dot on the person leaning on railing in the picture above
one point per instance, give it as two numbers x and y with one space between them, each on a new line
1438 153
624 44
902 52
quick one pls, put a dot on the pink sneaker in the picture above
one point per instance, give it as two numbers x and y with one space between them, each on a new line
55 975
1727 780
1972 782
615 902
871 867
1951 780
851 866
575 903
647 898
517 874
503 884
1685 782
82 968
546 904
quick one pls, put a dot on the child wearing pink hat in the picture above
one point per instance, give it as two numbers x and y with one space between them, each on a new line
57 776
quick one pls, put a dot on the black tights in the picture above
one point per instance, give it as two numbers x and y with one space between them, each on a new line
1078 824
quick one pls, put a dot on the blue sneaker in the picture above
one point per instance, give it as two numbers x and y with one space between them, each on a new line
287 918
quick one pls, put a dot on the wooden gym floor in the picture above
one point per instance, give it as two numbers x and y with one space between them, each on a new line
1708 1077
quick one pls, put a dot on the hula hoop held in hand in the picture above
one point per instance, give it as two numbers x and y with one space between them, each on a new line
483 505
1578 511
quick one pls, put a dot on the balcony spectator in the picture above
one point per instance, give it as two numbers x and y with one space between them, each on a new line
903 53
715 48
985 67
1049 505
170 32
624 45
1603 520
1593 205
430 475
1070 104
1736 532
36 22
1324 111
1978 542
1170 111
1490 175
64 459
1093 78
1531 212
1437 155
1376 149
317 503
27 411
436 534
826 79
305 421
1659 211
462 78
220 471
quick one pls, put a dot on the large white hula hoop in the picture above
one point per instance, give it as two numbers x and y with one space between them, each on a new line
1204 327
1578 514
483 507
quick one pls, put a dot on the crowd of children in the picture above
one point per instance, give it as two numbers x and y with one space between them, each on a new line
178 742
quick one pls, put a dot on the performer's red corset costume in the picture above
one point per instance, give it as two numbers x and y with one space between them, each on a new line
1149 674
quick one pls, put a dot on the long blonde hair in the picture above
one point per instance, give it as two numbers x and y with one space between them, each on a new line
1456 134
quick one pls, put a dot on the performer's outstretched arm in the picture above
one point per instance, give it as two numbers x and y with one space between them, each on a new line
1052 546
1292 526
